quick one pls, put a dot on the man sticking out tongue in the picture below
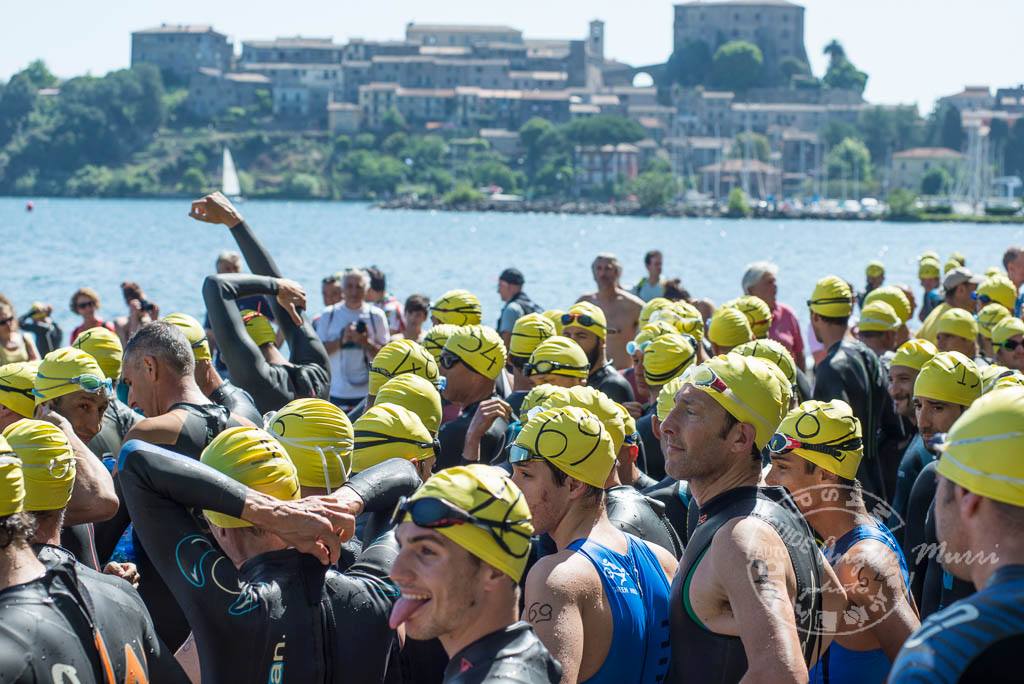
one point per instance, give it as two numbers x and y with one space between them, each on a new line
465 538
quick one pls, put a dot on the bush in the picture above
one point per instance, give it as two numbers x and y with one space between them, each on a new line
461 195
936 182
901 204
739 204
302 185
193 181
654 190
737 65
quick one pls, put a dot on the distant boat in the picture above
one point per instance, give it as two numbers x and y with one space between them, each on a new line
229 178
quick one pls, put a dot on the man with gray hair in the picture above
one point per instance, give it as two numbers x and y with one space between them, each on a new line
621 308
760 280
353 331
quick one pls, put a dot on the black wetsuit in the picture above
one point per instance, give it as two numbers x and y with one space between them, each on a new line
611 382
700 655
452 436
282 616
915 458
515 400
852 372
52 629
675 497
513 655
642 517
978 639
238 401
654 461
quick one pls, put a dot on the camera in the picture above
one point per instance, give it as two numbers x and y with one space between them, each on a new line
146 305
361 327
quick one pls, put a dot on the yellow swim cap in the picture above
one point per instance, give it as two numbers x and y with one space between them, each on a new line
928 254
982 452
1007 328
416 394
771 350
686 309
12 481
994 271
951 377
750 389
875 269
914 353
950 265
826 433
435 338
650 307
628 421
989 316
558 356
555 316
571 439
831 298
598 404
878 316
258 326
103 345
958 322
667 396
390 431
529 331
489 495
538 395
729 328
586 316
16 382
254 458
48 463
757 312
667 357
479 347
399 357
457 307
318 438
194 333
928 268
991 375
61 371
959 258
894 297
648 334
998 289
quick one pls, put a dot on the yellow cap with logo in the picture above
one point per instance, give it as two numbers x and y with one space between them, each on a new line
667 396
256 459
982 452
950 377
16 382
586 316
416 394
194 333
825 433
729 328
875 269
989 316
457 307
12 481
103 345
998 289
61 372
959 323
878 316
48 463
831 298
389 431
489 495
538 395
571 439
1007 328
914 353
399 357
435 338
757 312
750 389
318 438
771 350
258 326
598 404
894 297
479 347
529 331
667 357
559 356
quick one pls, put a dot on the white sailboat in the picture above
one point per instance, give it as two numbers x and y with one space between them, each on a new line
229 178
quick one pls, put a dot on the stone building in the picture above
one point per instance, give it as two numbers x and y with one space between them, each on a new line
178 50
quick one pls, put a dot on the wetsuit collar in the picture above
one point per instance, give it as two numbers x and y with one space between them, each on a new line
727 498
484 649
470 409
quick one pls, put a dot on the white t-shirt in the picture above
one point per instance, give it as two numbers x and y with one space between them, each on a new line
350 366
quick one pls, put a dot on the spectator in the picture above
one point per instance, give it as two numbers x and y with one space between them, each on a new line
761 280
417 311
385 301
140 311
517 303
653 285
14 345
86 302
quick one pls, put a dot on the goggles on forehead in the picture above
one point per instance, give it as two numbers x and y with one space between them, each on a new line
783 444
434 513
88 382
545 367
365 438
586 320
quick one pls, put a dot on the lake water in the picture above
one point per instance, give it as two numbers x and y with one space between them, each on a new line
67 243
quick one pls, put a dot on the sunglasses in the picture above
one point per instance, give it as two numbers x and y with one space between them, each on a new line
433 513
586 320
85 305
704 376
90 383
366 438
545 367
6 321
1010 345
783 444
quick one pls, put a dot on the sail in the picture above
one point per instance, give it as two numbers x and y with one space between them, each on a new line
229 179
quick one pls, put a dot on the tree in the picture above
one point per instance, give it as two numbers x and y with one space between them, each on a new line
849 160
889 129
493 172
604 129
530 136
19 98
834 50
841 73
751 146
461 195
654 189
793 66
936 182
952 133
193 181
739 204
392 121
736 65
302 185
690 65
39 74
902 204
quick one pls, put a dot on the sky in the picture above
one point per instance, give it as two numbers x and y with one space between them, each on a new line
913 50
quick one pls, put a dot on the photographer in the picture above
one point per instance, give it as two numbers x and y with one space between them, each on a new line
140 311
353 331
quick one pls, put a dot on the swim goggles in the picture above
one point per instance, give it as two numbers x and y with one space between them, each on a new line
433 513
586 320
545 367
90 383
704 377
10 388
440 382
783 444
367 438
632 347
829 300
464 309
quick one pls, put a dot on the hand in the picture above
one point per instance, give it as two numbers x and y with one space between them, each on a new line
635 408
316 525
486 413
44 412
291 297
126 571
216 208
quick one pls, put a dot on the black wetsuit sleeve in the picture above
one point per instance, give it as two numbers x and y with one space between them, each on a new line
304 344
382 485
829 384
249 370
914 542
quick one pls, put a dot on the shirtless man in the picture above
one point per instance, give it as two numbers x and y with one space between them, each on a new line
621 308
